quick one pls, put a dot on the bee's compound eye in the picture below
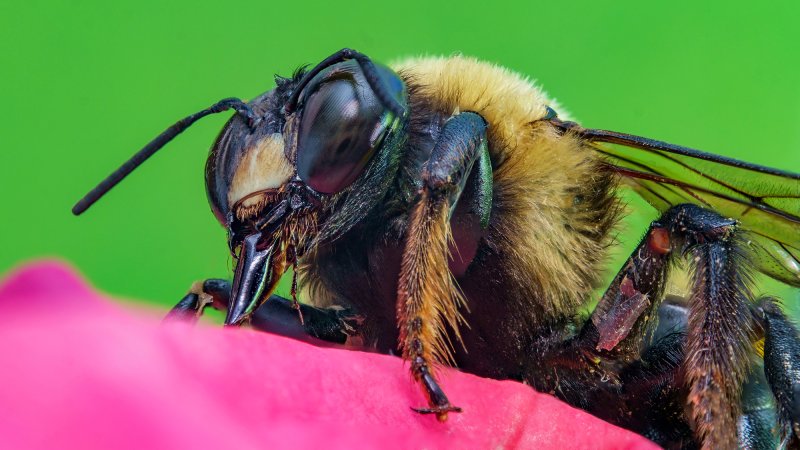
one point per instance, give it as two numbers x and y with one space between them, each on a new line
341 126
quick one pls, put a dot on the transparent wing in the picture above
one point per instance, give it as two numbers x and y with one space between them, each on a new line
765 201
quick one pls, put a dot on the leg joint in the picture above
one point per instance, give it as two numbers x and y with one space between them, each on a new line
689 225
458 146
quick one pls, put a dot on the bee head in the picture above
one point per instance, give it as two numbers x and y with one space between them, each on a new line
297 165
320 157
318 131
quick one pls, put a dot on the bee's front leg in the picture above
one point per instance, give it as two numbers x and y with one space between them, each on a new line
212 292
428 300
277 315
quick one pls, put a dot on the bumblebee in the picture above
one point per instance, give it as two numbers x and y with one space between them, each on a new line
441 208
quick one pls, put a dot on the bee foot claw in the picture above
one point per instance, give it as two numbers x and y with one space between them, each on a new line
440 411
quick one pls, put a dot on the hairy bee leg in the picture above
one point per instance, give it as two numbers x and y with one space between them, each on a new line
660 367
719 332
782 366
427 300
650 397
277 315
655 399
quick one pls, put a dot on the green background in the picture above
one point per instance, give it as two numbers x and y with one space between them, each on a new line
86 84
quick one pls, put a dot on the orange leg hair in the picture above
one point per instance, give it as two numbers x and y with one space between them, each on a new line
428 299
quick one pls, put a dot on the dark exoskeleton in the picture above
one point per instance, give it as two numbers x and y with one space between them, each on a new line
345 174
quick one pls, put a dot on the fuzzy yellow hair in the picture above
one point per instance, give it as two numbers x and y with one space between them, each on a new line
553 202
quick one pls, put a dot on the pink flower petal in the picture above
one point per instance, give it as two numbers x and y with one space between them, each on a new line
77 372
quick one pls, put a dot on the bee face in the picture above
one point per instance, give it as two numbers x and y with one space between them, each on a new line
243 162
310 157
322 146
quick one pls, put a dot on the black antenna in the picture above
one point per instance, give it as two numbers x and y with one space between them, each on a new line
370 73
156 144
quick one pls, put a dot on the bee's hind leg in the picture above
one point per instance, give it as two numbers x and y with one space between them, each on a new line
655 396
782 366
719 334
277 315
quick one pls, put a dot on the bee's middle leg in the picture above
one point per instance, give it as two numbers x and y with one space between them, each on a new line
212 292
428 301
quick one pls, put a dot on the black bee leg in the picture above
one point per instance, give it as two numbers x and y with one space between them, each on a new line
428 301
277 315
757 421
651 395
656 396
719 331
782 367
623 315
212 292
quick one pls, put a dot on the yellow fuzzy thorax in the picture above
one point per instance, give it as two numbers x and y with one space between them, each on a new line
506 99
548 188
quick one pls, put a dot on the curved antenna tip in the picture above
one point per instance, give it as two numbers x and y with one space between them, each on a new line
79 208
